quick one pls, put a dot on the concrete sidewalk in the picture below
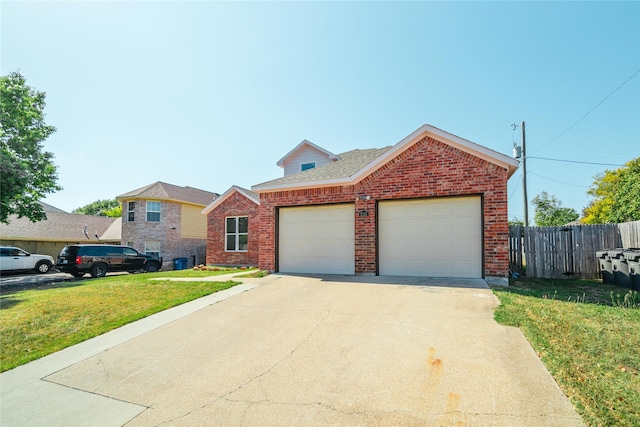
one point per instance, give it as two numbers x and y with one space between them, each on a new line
304 351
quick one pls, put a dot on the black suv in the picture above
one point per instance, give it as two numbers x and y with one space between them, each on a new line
100 259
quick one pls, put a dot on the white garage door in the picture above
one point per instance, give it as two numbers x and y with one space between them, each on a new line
431 238
317 239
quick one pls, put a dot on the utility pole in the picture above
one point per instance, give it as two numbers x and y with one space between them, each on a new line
524 178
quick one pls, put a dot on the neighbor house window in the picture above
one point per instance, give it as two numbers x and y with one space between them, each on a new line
237 233
131 211
153 211
152 247
307 166
131 244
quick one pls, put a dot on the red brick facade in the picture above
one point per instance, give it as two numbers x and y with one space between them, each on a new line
429 168
234 205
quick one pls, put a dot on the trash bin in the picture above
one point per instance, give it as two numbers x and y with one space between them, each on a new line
179 263
620 268
606 270
633 260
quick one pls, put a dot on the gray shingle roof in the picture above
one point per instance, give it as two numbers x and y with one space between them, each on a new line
163 191
62 226
349 163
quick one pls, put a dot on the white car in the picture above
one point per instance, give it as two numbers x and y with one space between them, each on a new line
13 259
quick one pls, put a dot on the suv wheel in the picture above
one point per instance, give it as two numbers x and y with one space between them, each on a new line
98 270
43 267
151 267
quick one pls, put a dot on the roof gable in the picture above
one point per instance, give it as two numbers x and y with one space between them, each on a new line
252 196
356 165
163 191
300 147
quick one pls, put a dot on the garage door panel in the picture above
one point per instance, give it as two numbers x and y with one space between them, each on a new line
434 237
317 239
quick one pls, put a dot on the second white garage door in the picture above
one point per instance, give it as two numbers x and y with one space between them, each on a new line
431 237
316 239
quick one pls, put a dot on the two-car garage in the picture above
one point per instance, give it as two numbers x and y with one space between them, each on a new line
434 237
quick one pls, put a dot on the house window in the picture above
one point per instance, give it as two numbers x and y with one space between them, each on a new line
237 233
131 211
131 244
152 247
153 211
307 166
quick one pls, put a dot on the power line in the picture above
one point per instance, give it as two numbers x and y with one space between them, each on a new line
590 111
555 180
574 161
513 190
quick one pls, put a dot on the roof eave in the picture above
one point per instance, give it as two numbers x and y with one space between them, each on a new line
163 199
301 185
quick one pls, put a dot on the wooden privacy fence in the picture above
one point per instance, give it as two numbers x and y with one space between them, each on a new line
568 251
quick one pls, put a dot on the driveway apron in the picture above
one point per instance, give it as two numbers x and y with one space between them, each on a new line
327 351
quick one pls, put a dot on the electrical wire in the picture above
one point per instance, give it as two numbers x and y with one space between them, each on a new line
555 180
515 187
590 111
574 161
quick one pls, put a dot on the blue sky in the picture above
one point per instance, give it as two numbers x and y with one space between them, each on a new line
210 94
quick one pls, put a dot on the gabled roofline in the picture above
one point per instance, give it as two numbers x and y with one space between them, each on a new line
499 159
226 195
310 144
162 199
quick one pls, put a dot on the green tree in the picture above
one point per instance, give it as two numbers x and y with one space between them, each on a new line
549 211
111 208
616 196
27 172
516 221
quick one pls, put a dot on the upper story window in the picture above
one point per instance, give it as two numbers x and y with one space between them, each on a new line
131 211
307 166
153 211
237 233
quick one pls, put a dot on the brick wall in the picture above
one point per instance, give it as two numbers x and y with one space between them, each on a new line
167 232
235 205
427 169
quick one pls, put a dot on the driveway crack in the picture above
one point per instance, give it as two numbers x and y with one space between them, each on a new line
256 377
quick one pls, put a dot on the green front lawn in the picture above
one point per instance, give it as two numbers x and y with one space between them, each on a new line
39 320
587 338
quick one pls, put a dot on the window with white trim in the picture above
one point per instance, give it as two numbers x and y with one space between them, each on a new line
153 211
236 233
307 166
152 247
131 211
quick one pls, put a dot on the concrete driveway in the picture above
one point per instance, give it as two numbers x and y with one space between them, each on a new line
288 350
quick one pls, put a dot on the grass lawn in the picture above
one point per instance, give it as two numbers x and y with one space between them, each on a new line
587 339
39 320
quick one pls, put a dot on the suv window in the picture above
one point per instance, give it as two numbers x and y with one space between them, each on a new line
130 252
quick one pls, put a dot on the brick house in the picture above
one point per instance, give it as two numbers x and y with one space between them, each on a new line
232 228
164 220
432 205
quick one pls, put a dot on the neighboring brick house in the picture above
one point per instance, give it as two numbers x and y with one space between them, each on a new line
61 228
164 220
232 228
433 204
